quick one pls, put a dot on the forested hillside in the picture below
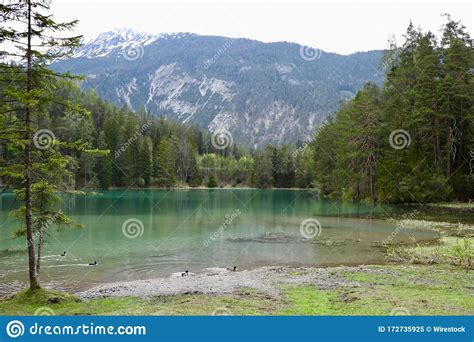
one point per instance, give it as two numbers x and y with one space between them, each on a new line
411 140
260 92
146 151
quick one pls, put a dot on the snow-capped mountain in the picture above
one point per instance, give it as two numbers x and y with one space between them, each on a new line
260 92
105 43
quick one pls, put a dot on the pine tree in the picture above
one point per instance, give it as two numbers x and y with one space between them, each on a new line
426 102
145 162
456 101
263 168
212 182
165 167
103 168
196 176
38 167
156 144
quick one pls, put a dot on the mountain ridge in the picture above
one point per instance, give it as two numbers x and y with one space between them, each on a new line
260 92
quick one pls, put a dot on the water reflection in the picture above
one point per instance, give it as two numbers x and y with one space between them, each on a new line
192 229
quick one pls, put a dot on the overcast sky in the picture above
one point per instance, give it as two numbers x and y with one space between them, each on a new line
341 26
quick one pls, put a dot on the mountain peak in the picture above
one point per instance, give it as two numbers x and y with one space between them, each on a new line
105 43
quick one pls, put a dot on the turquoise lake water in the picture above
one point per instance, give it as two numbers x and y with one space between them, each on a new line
140 234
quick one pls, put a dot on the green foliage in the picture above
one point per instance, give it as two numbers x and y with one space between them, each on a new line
36 163
463 251
212 183
450 250
363 154
196 175
164 169
263 170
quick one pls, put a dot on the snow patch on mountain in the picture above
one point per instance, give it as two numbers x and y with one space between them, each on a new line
106 43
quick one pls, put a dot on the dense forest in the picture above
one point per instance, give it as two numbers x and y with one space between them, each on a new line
146 151
411 140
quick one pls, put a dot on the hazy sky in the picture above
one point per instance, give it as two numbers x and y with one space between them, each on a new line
341 26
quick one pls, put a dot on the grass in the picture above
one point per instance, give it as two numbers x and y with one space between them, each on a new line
375 290
450 250
45 302
417 291
246 302
422 290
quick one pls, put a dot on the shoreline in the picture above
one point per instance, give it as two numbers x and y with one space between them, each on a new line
265 279
269 280
454 205
378 290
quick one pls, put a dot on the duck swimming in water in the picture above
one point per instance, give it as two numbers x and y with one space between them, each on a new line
182 274
63 254
93 263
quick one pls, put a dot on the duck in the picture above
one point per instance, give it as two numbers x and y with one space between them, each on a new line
234 269
93 263
63 254
182 274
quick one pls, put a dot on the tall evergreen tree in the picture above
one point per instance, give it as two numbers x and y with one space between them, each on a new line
145 163
165 167
408 141
30 37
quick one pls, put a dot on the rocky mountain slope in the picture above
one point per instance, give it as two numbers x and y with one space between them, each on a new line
259 92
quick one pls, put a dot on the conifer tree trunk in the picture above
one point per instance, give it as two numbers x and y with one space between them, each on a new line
40 250
449 142
34 281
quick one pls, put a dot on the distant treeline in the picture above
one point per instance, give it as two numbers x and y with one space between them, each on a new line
146 151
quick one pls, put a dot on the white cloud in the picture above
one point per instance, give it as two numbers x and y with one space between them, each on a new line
341 26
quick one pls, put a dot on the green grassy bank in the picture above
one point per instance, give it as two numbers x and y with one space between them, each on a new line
375 290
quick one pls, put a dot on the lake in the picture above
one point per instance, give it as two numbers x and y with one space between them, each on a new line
140 234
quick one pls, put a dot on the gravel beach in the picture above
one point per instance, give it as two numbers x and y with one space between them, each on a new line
264 279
